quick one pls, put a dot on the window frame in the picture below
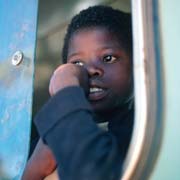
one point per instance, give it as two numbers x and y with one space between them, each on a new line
148 82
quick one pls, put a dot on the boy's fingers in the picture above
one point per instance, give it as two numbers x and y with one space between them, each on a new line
68 75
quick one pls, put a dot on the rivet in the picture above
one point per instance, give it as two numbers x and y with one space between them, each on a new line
17 58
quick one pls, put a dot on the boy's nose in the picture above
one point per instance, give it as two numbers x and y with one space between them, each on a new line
94 69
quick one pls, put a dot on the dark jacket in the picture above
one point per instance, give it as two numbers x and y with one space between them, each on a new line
82 150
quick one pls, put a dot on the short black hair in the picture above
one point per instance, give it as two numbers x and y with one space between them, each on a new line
115 21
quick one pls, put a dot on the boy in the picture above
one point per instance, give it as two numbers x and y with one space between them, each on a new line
93 85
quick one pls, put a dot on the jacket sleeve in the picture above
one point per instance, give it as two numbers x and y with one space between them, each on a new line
82 150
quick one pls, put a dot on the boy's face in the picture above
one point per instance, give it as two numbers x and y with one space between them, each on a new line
108 66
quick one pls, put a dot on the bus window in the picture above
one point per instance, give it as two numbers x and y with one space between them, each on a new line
154 147
155 46
52 23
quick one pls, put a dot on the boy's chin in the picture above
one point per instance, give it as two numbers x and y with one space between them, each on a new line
101 109
106 109
98 107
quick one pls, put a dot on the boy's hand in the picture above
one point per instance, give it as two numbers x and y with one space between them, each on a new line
41 163
68 75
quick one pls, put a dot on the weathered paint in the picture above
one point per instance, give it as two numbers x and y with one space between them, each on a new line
17 32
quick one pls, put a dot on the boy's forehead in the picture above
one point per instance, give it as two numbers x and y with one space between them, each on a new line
98 29
93 40
95 34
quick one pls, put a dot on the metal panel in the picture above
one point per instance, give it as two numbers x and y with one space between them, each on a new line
17 32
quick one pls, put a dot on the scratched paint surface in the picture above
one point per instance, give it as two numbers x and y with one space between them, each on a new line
17 32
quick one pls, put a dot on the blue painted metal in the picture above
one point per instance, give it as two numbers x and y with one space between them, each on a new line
17 32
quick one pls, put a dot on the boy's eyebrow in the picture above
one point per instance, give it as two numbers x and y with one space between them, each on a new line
74 54
106 47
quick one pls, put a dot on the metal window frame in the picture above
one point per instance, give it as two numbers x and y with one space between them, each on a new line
148 80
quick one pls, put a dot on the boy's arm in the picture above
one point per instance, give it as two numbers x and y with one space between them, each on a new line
42 161
81 149
67 125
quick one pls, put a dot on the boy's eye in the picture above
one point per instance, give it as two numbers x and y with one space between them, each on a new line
79 63
109 59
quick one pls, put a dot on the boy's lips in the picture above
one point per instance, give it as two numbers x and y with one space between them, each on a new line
97 93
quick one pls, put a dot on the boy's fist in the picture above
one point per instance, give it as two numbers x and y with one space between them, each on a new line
68 75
